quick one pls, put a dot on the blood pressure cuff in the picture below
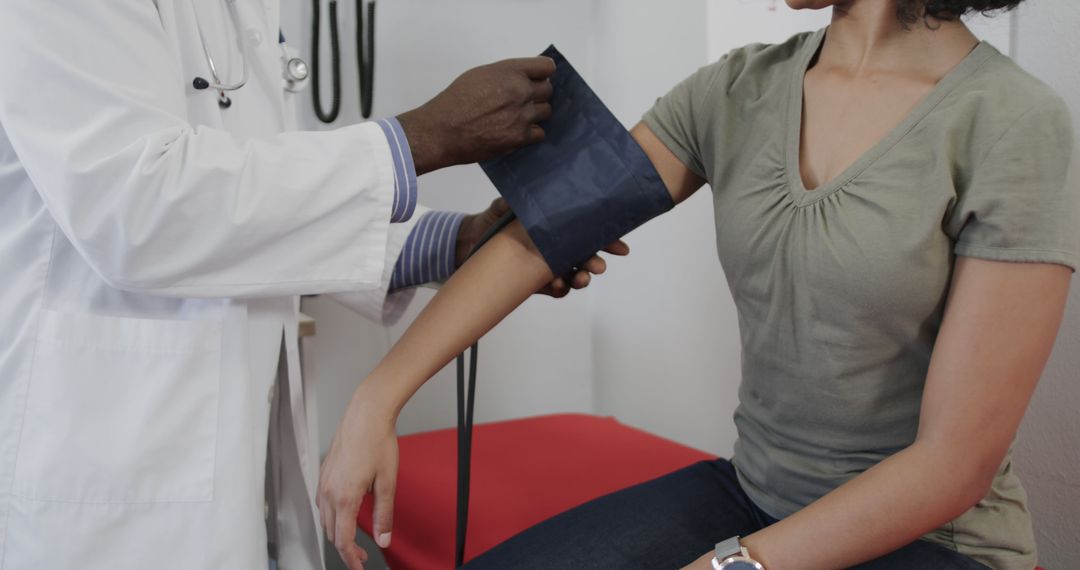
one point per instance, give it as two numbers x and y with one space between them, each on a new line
587 184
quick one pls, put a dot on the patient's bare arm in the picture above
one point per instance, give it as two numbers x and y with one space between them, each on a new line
502 275
363 456
509 269
483 292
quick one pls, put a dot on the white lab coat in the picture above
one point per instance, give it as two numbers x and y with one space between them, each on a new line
152 247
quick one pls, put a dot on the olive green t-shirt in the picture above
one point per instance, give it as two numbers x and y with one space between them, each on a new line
840 290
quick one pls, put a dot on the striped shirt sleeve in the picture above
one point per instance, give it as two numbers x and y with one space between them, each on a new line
429 252
405 187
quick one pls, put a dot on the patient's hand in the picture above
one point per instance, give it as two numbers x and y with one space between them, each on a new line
363 459
474 226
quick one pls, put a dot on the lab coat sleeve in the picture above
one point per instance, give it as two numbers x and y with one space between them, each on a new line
94 105
379 305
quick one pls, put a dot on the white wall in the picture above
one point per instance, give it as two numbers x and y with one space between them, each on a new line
538 360
667 304
1048 453
735 24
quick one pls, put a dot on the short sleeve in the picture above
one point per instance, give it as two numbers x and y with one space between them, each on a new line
1023 201
681 118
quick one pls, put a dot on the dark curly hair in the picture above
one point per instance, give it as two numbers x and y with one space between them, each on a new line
911 11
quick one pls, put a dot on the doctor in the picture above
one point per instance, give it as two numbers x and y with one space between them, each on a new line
157 223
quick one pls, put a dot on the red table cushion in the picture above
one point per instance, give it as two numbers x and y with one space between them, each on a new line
523 472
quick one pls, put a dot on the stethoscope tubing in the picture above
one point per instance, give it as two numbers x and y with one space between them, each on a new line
218 84
365 51
316 64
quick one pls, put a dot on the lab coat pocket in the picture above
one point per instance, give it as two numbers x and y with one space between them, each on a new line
121 410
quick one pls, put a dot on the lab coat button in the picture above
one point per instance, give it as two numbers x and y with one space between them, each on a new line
254 37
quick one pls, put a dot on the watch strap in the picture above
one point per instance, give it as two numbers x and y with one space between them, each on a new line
731 550
728 548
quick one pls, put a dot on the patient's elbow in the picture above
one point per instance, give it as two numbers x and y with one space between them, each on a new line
972 473
974 488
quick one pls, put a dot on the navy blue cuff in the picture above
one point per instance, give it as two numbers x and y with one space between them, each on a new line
404 171
586 185
429 252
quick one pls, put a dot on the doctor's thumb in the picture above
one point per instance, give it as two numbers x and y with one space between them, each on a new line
383 511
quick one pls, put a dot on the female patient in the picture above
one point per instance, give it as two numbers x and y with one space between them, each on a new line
894 223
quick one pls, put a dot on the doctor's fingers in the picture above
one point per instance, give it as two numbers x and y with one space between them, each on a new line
597 265
534 135
557 289
561 287
581 280
619 248
542 90
538 67
540 112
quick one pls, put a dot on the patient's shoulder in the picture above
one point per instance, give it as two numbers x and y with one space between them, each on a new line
753 69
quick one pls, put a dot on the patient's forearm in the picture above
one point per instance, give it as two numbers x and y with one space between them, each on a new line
485 290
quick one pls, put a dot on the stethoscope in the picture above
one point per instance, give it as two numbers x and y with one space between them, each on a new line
365 49
295 71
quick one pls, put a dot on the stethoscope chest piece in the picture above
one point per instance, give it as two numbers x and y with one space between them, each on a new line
295 72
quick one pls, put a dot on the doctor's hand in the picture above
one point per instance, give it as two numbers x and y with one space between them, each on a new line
487 112
363 459
473 228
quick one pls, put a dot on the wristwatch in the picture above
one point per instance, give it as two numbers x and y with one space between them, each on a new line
731 555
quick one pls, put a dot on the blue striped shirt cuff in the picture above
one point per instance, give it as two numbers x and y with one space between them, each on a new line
429 252
404 171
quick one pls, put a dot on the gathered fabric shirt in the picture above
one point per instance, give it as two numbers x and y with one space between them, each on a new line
841 290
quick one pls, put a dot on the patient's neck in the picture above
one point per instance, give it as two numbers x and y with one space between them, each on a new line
866 37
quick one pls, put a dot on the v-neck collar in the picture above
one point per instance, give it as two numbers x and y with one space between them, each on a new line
795 185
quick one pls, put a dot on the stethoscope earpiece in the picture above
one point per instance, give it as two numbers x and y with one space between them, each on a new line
202 84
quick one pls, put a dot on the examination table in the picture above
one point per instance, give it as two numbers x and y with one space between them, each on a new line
524 471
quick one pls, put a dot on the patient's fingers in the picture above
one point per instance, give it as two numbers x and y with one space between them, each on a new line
327 517
345 537
383 511
325 512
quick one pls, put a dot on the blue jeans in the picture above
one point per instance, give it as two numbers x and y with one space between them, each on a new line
667 523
